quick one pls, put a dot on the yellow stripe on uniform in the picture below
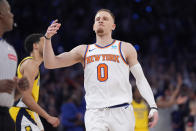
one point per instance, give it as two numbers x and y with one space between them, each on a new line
141 116
35 93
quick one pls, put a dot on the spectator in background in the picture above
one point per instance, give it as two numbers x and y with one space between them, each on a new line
191 119
190 123
140 111
166 104
71 117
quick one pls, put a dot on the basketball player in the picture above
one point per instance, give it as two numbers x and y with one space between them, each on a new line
140 111
107 64
8 63
23 113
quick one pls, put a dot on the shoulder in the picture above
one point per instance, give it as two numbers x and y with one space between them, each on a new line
127 48
5 44
30 66
126 45
80 49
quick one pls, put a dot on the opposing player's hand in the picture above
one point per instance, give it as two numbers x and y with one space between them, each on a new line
7 85
153 118
54 121
52 29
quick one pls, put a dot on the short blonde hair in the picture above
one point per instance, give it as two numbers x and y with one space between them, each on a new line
106 10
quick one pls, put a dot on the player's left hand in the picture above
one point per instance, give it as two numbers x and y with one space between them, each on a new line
153 118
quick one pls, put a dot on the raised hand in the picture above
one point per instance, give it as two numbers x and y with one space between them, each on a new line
52 29
181 99
179 80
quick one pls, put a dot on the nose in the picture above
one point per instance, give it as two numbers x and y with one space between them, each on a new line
100 21
12 15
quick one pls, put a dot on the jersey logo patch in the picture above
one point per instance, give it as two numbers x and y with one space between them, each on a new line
12 57
91 49
114 46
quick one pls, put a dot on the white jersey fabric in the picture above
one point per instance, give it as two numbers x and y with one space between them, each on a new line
106 76
8 64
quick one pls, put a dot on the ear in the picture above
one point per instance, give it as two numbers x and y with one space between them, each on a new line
1 15
93 27
35 46
113 26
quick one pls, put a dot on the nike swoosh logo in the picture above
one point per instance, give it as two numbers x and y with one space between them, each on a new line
91 50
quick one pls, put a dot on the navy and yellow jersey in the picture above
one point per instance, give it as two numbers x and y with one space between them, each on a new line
141 116
35 89
20 109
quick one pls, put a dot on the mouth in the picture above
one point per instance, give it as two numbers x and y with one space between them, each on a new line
101 25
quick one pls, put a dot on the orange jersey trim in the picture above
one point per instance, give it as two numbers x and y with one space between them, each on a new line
87 47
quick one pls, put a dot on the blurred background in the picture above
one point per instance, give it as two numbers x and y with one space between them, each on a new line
163 32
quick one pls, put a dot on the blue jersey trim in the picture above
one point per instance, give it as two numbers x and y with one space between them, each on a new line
122 54
85 55
106 45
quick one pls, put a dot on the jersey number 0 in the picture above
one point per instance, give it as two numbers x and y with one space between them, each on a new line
102 72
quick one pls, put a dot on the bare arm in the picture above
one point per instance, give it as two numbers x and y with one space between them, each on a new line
31 72
63 60
162 103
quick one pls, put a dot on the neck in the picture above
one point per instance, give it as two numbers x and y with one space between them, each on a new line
104 40
1 30
38 59
138 100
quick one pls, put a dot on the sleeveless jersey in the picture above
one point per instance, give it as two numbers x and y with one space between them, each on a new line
19 105
35 89
106 76
141 116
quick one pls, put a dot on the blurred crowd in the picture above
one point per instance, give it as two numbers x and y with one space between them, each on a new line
163 32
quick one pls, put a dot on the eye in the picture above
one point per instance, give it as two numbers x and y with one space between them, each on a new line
105 18
97 19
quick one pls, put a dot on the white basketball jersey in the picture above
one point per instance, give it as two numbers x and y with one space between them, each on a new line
106 76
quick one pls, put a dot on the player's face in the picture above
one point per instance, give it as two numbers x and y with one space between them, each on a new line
104 23
137 95
6 16
41 45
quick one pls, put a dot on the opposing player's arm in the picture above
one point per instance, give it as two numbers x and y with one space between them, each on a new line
63 60
141 81
29 70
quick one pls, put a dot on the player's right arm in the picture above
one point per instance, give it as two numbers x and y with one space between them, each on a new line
30 71
63 60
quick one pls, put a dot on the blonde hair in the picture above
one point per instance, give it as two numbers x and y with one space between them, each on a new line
106 10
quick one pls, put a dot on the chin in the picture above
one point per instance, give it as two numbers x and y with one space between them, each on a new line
100 32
